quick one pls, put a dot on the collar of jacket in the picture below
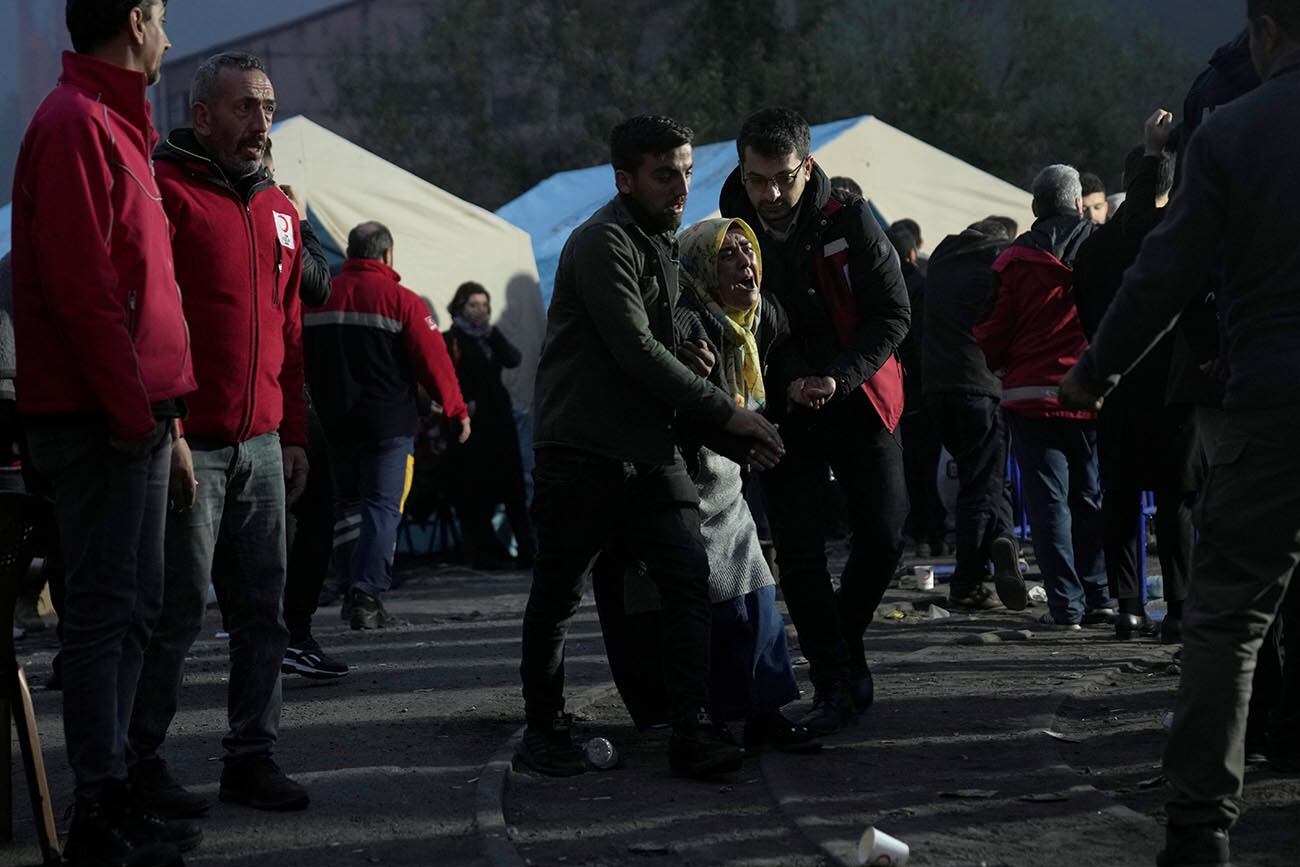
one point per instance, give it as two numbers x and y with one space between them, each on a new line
1060 235
733 201
1286 65
182 146
370 266
121 89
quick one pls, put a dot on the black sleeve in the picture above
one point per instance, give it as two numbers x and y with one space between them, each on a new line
505 352
884 312
315 286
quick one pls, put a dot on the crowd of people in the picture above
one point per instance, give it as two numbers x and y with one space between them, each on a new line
206 405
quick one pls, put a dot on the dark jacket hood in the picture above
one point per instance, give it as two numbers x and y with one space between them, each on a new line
1061 235
970 242
1232 62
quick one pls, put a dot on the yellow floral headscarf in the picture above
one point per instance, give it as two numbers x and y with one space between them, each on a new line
699 246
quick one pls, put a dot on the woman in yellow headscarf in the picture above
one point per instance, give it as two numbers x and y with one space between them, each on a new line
724 330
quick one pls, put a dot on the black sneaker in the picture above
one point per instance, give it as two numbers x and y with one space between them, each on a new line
306 658
103 835
368 612
1171 630
977 598
1194 847
1007 576
548 748
700 747
154 789
258 782
181 833
772 731
832 710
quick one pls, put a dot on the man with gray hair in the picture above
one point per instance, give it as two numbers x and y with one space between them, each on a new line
238 250
1033 336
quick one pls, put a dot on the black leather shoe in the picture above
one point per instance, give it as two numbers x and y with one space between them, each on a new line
862 688
700 747
831 711
258 782
1194 846
1129 627
103 834
184 834
772 731
368 612
548 748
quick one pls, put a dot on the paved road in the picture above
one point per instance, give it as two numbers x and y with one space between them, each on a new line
394 754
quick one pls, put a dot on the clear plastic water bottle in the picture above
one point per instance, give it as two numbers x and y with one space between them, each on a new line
1155 587
600 753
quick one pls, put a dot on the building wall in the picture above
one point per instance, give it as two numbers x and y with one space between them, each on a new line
300 59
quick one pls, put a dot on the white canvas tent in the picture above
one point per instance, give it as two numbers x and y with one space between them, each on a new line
901 175
440 241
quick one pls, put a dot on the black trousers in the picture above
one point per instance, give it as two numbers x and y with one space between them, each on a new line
972 429
583 504
868 463
921 450
1175 535
311 540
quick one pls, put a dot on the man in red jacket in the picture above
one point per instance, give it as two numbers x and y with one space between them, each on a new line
238 255
1034 336
106 360
369 349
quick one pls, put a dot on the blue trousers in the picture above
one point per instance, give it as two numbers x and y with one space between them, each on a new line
371 481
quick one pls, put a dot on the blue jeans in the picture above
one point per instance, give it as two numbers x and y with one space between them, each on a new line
111 513
1058 461
238 521
370 485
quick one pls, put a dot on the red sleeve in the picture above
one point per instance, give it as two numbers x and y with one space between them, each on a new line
428 354
293 427
68 183
995 333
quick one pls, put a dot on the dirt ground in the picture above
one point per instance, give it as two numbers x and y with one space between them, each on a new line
953 758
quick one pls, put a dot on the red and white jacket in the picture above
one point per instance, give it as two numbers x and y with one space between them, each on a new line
1033 333
239 262
98 320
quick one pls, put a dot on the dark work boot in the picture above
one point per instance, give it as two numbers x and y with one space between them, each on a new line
772 731
154 789
1194 846
548 748
862 687
1007 577
700 747
832 710
258 782
104 835
368 612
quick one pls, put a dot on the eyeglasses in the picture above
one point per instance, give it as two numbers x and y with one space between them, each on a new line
783 181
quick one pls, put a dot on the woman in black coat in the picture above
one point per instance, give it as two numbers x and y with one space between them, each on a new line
487 468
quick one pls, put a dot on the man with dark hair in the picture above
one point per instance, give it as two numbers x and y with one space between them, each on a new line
1143 445
1235 209
368 351
925 520
963 397
610 394
1033 335
242 459
102 335
827 261
1095 206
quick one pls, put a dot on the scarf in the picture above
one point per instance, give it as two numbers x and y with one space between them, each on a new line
478 333
742 368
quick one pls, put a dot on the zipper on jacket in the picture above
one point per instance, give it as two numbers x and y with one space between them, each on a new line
246 424
279 270
131 317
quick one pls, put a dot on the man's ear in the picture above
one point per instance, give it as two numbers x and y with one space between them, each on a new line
135 24
1078 205
623 180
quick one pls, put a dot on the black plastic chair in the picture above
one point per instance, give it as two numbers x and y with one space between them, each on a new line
26 531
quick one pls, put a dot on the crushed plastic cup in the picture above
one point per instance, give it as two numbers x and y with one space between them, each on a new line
600 753
1037 594
920 578
878 849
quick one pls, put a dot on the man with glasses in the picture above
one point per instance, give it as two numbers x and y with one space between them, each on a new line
829 264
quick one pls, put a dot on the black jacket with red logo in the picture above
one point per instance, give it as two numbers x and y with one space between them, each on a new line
837 276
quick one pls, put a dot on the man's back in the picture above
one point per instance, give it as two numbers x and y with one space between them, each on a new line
959 292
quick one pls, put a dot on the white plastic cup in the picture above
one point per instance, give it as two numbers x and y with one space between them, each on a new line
878 849
924 577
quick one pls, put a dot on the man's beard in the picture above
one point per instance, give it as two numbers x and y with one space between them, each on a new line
239 168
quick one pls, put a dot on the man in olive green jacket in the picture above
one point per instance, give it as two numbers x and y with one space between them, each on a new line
610 394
